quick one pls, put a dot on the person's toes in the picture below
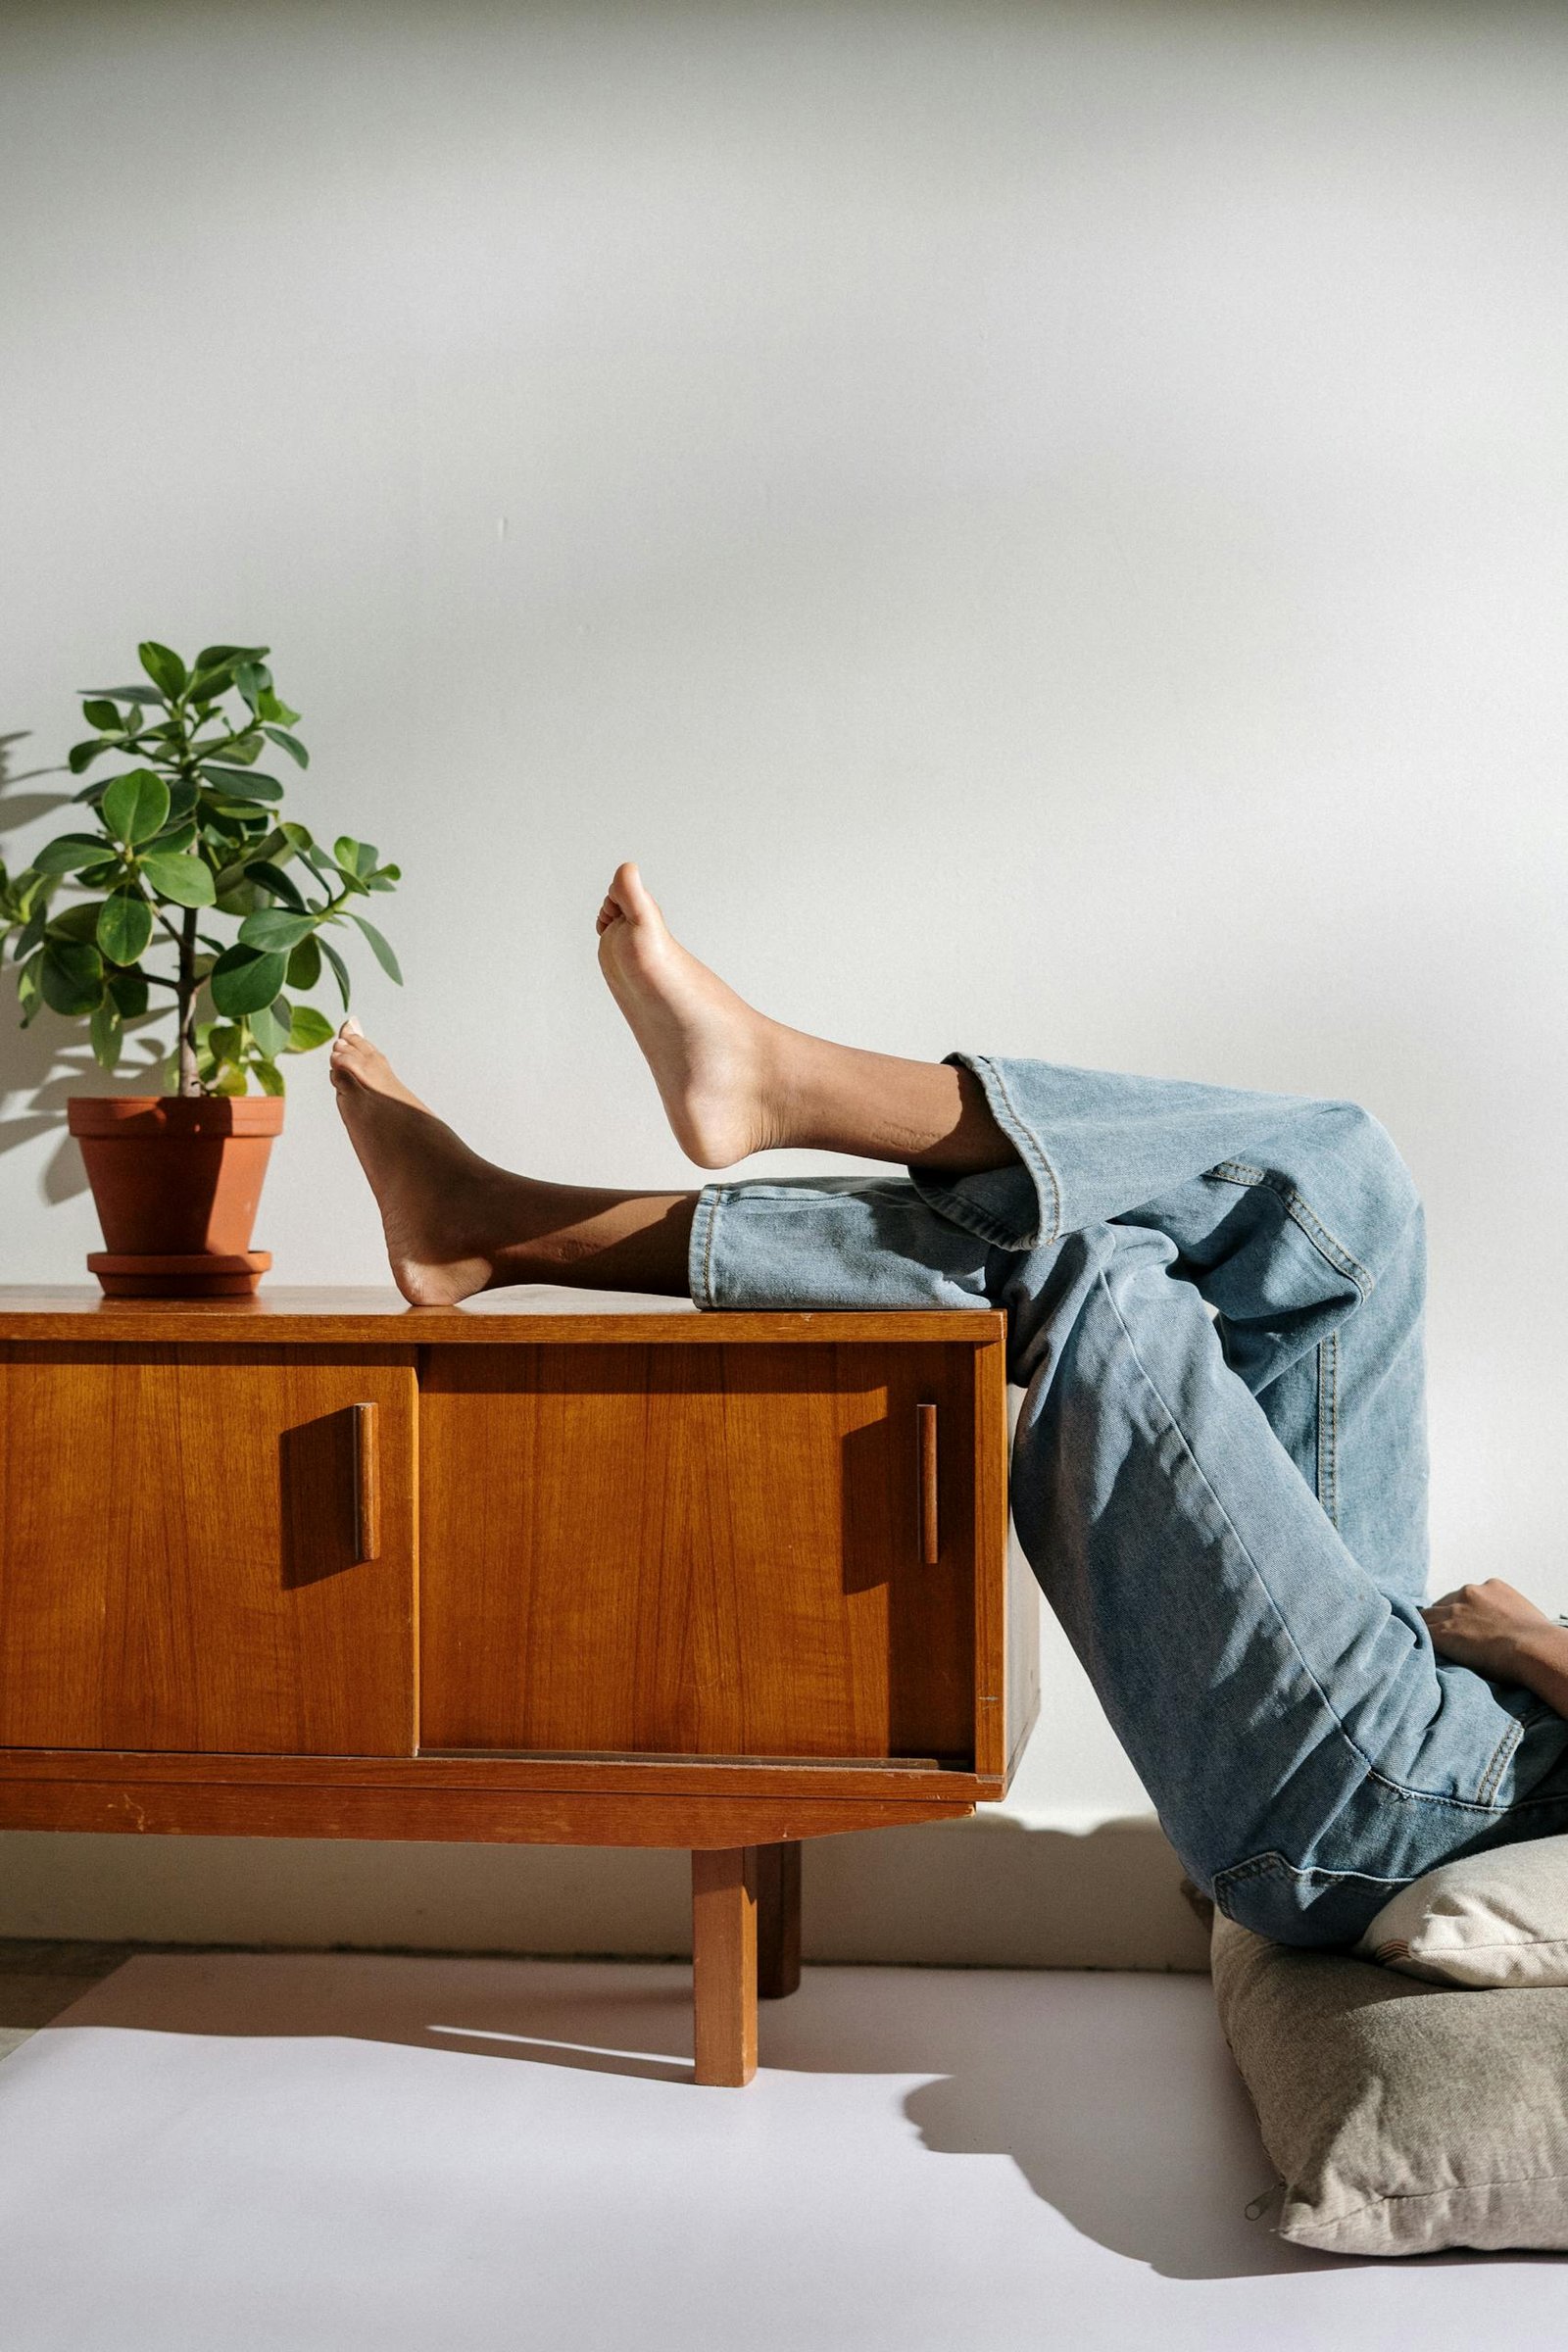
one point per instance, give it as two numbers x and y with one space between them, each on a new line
632 894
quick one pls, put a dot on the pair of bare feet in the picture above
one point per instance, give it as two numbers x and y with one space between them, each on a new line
733 1082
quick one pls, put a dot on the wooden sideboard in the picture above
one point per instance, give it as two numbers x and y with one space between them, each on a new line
315 1564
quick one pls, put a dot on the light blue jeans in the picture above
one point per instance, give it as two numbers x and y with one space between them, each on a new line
1215 1310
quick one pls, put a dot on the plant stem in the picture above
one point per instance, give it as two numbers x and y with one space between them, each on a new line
185 999
186 985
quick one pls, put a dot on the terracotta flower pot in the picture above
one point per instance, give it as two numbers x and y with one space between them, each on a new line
176 1180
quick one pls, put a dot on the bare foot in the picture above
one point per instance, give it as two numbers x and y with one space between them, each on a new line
716 1062
735 1082
428 1185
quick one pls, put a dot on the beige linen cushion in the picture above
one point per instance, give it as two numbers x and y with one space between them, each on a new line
1403 2117
1500 1918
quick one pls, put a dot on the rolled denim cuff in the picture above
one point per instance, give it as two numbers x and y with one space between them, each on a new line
1012 1208
700 1249
828 1242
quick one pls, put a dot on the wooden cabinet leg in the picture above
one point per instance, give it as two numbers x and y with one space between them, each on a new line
778 1919
724 1963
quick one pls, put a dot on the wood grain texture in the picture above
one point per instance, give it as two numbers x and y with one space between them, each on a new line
718 1553
378 1319
724 1966
778 1921
986 1499
820 1781
476 1816
366 1482
176 1552
930 1486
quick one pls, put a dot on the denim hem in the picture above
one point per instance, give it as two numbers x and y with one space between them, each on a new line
700 1249
952 1202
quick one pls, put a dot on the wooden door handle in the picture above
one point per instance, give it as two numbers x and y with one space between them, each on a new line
930 1530
367 1483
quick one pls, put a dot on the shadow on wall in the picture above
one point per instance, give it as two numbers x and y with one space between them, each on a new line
41 1067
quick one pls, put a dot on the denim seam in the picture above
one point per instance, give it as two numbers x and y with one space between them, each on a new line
708 1209
1028 1146
1274 1863
1328 1426
1499 1761
1300 1212
1399 1788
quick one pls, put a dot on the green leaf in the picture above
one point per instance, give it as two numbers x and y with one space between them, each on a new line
101 712
212 655
379 948
231 1082
276 927
28 992
72 977
123 693
242 784
76 922
271 1076
30 936
253 678
207 685
105 1032
68 852
171 841
340 970
298 836
307 1030
243 746
245 978
291 744
272 1025
129 992
124 926
182 798
81 755
187 881
164 668
273 878
357 857
135 806
304 965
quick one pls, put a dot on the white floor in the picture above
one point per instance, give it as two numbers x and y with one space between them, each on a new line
320 2154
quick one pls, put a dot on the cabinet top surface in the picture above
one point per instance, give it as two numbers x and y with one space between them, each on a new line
334 1317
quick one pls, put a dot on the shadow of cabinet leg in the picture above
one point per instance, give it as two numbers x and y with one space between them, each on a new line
778 1920
724 1963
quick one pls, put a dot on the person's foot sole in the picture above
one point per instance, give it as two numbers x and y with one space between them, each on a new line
710 1053
422 1175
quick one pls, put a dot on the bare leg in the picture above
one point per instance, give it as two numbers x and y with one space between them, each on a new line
734 1082
456 1224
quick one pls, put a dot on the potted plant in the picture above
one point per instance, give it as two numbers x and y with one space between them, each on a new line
186 835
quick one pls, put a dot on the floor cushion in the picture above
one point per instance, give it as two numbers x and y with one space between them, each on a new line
1402 2116
1500 1918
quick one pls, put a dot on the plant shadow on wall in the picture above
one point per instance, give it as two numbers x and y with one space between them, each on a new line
119 925
42 1067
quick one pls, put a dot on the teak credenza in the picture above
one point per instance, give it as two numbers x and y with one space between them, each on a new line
315 1564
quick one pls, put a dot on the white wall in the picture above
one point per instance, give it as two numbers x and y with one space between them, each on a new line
1042 527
